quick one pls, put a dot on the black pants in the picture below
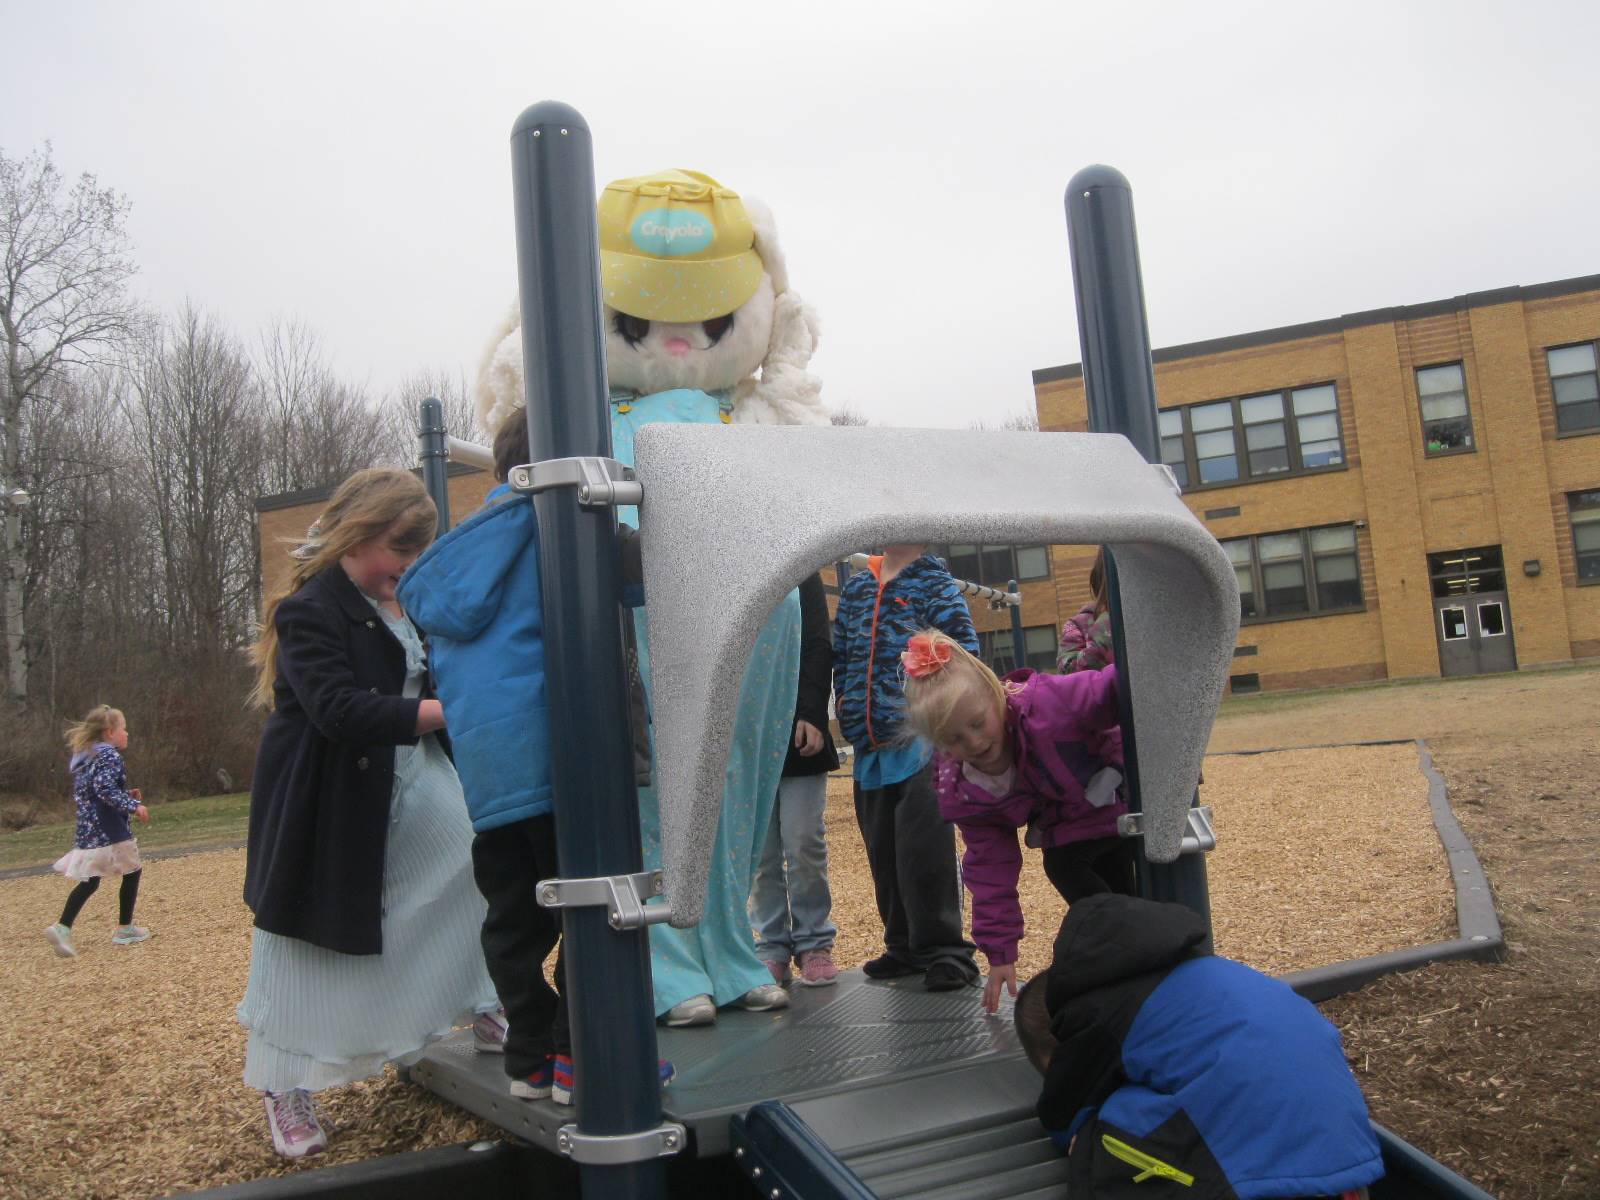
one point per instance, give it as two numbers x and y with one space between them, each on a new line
518 936
1086 868
126 898
911 851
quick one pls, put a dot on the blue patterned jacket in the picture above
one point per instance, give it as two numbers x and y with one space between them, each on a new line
871 626
100 790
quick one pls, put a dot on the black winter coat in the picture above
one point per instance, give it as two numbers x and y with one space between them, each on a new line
319 800
816 680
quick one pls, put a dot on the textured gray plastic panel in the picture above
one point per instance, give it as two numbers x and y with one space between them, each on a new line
735 516
829 1052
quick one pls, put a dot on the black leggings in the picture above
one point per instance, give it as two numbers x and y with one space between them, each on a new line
81 893
1081 869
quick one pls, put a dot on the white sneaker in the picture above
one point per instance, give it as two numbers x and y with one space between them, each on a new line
763 997
60 936
292 1117
696 1010
129 935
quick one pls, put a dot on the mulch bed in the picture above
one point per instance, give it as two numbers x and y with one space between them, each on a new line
121 1067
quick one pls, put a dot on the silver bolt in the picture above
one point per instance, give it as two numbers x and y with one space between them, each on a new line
755 1172
549 895
776 1194
739 1153
672 1140
536 133
615 920
563 133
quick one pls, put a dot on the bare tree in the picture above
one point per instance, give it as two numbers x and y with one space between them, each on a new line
1022 421
63 301
317 428
847 415
196 426
402 411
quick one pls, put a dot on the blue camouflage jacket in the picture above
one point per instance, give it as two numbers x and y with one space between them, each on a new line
871 626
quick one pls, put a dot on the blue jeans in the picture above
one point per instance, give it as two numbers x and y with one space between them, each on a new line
789 908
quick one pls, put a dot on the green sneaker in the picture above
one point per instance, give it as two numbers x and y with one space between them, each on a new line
128 935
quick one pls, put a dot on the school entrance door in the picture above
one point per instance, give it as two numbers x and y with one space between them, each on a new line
1471 613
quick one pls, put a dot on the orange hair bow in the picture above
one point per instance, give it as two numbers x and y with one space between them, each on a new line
924 656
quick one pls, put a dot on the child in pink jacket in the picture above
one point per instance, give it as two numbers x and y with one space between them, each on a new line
1030 750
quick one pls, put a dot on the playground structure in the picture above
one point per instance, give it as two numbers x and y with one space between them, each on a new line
874 1088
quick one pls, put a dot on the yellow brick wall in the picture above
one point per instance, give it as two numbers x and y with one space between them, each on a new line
1511 491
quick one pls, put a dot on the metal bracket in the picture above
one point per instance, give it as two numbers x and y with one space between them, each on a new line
623 896
611 1150
1198 838
601 482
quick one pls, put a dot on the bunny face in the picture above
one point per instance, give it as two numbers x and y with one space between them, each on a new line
657 356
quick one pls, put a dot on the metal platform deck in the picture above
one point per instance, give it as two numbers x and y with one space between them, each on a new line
866 1062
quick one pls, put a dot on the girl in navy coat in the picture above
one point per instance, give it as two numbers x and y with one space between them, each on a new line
359 871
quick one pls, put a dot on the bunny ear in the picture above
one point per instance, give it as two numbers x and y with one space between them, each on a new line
767 247
498 390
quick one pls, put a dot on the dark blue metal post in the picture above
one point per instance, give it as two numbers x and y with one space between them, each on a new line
1120 385
435 453
596 804
1019 653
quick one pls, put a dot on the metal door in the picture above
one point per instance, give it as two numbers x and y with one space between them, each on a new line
1474 632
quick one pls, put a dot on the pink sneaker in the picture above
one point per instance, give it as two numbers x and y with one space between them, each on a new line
489 1032
780 971
817 969
292 1118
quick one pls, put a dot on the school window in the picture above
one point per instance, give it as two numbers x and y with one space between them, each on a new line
1172 452
1585 510
1303 572
1253 437
1039 647
1446 421
1576 386
996 565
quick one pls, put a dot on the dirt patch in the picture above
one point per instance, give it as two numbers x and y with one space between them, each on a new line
122 1066
1493 1070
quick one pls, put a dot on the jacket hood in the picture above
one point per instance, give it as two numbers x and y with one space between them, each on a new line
455 588
83 757
1107 938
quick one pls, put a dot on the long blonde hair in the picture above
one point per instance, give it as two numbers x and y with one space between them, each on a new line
97 722
937 672
371 503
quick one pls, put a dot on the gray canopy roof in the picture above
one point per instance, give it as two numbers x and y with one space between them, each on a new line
735 516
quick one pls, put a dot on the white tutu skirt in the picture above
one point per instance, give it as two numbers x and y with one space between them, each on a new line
119 858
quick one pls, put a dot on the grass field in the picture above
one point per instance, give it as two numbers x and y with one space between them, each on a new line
202 821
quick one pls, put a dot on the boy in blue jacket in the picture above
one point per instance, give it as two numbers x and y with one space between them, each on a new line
476 593
1168 1071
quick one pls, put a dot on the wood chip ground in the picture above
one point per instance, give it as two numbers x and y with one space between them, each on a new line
119 1070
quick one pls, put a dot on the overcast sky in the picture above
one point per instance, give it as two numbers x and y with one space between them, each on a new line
349 163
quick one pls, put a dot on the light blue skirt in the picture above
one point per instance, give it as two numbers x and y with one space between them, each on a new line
318 1018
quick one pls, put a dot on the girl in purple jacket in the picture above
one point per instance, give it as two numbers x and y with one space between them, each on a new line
1031 750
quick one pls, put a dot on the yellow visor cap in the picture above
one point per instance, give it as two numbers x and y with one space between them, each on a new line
676 246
